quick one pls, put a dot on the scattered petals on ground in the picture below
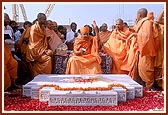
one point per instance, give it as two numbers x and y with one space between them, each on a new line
151 101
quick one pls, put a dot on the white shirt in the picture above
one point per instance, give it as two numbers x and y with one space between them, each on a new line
17 35
70 36
8 30
10 42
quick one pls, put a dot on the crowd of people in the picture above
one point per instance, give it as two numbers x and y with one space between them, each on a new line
137 51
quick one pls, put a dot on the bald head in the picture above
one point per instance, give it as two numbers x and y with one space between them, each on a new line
119 20
119 24
41 15
142 13
41 18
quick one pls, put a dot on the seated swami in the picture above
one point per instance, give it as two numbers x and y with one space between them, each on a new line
85 59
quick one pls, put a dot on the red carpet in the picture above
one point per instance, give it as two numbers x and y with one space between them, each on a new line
150 101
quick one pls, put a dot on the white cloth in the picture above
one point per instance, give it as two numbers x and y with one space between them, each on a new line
17 35
70 36
10 42
8 30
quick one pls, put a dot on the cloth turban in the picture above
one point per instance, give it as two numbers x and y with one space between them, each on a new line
84 30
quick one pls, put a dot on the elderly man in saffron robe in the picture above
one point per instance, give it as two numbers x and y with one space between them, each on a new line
104 34
116 46
38 52
85 59
146 47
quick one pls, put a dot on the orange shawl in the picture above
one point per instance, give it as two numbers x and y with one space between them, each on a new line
10 67
85 64
22 44
117 49
54 40
145 38
37 42
37 50
104 36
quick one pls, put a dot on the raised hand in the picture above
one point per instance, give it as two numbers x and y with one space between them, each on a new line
95 27
94 24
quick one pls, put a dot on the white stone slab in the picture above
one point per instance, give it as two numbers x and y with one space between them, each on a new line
138 90
82 97
26 89
130 92
35 92
44 93
121 93
107 98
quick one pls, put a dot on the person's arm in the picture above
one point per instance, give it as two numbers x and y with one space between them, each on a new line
96 29
80 52
121 38
131 35
160 19
77 52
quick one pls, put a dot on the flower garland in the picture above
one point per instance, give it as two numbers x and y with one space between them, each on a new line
57 87
79 79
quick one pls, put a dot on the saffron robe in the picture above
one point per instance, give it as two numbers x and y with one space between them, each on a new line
104 36
54 40
117 49
10 67
36 54
85 64
23 42
160 54
146 47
